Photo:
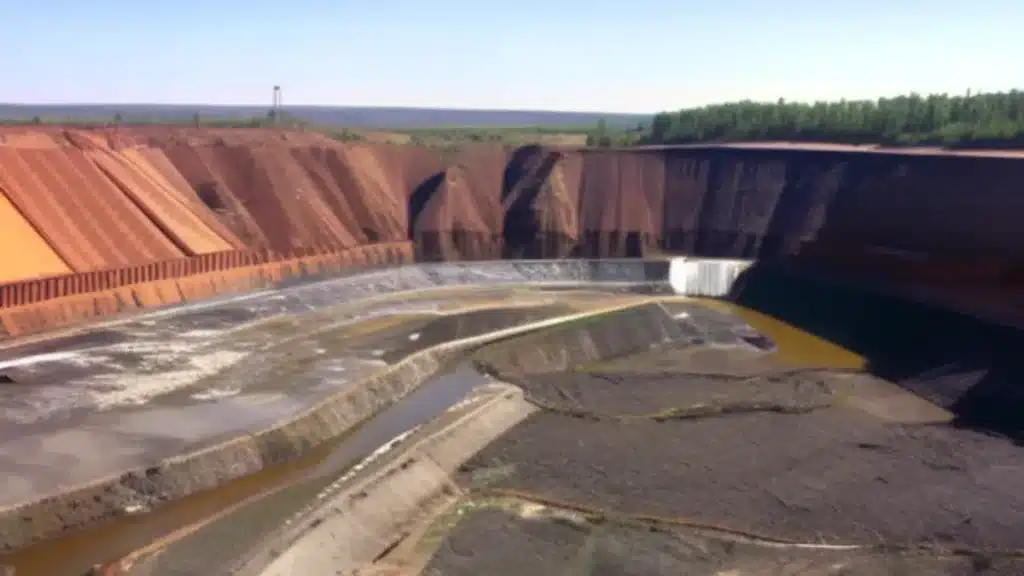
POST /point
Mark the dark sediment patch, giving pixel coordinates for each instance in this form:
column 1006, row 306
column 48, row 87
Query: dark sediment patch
column 493, row 541
column 961, row 363
column 674, row 395
column 835, row 475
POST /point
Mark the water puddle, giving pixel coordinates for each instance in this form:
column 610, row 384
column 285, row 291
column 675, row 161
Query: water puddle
column 792, row 345
column 724, row 323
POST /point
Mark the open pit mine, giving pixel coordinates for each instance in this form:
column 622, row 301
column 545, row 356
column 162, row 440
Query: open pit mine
column 268, row 353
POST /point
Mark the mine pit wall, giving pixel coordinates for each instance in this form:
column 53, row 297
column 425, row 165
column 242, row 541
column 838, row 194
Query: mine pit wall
column 37, row 306
column 135, row 206
column 942, row 226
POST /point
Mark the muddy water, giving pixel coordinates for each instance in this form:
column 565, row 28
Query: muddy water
column 228, row 541
column 793, row 346
column 76, row 554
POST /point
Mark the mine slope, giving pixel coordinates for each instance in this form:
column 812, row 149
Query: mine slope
column 80, row 201
column 834, row 232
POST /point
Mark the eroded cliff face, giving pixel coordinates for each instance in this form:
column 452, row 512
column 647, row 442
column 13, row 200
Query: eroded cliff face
column 932, row 218
column 89, row 200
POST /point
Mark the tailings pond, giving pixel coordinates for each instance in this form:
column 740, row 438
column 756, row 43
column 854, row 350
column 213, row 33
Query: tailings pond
column 746, row 427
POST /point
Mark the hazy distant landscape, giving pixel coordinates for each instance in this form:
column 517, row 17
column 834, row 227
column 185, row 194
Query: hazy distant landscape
column 341, row 116
column 993, row 120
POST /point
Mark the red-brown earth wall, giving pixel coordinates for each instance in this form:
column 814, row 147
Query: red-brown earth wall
column 141, row 205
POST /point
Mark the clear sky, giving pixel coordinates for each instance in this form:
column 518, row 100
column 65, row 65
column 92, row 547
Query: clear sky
column 601, row 55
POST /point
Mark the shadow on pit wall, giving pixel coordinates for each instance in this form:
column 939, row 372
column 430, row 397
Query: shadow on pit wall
column 972, row 368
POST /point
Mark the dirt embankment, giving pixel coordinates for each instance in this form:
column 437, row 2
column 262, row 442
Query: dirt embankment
column 88, row 200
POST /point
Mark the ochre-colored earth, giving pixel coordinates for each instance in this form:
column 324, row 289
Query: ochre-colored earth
column 87, row 200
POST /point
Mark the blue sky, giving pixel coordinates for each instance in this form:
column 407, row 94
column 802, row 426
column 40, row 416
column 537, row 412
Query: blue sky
column 614, row 56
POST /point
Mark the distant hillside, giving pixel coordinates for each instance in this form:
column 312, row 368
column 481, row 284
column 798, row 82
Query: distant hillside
column 355, row 117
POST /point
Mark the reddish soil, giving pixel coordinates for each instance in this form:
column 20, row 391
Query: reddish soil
column 457, row 212
column 128, row 196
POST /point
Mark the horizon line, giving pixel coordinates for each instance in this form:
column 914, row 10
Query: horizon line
column 336, row 106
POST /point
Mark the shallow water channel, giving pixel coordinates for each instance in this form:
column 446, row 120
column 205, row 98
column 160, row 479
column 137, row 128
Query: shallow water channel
column 76, row 554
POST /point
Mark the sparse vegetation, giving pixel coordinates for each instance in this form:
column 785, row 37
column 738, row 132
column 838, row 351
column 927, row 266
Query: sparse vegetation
column 457, row 136
column 445, row 138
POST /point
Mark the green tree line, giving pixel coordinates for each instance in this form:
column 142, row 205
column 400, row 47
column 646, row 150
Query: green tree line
column 913, row 119
column 939, row 119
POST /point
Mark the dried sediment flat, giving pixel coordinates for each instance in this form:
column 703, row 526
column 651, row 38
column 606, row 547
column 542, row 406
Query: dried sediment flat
column 774, row 468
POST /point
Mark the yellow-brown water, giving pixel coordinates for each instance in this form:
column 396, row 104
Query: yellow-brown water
column 73, row 554
column 794, row 346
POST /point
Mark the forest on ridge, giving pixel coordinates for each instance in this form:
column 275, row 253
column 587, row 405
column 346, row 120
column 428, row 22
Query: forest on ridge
column 939, row 119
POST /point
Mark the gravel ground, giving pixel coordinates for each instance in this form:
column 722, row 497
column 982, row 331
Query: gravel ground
column 834, row 475
column 491, row 541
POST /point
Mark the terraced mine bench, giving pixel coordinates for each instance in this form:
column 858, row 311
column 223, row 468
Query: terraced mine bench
column 349, row 423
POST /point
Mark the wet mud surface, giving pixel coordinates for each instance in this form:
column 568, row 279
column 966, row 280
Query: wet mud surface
column 970, row 367
column 258, row 505
column 717, row 434
column 301, row 360
column 832, row 476
column 224, row 544
column 731, row 424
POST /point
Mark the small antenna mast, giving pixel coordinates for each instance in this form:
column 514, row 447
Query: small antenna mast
column 275, row 105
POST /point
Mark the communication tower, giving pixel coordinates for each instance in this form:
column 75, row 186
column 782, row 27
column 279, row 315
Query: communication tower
column 275, row 106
